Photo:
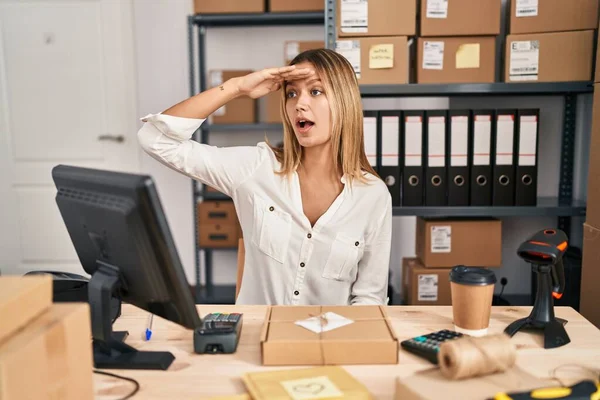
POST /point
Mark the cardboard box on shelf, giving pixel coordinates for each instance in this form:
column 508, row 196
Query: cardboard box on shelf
column 296, row 6
column 445, row 242
column 228, row 6
column 552, row 16
column 217, row 212
column 377, row 60
column 590, row 274
column 219, row 235
column 376, row 18
column 292, row 48
column 238, row 111
column 22, row 298
column 426, row 286
column 319, row 335
column 462, row 59
column 597, row 72
column 51, row 358
column 549, row 57
column 269, row 107
column 456, row 17
column 593, row 180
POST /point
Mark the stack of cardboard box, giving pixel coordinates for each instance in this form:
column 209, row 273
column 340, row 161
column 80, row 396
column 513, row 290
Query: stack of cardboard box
column 45, row 348
column 255, row 6
column 590, row 273
column 550, row 40
column 457, row 43
column 373, row 36
column 442, row 244
column 218, row 224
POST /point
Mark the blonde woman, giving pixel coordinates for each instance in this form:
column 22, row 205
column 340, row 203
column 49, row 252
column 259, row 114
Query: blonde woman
column 315, row 217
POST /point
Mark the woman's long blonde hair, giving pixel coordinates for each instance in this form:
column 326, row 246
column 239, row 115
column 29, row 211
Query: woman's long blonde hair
column 347, row 136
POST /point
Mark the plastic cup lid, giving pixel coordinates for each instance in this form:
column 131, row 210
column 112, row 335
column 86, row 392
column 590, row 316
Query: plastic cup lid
column 472, row 275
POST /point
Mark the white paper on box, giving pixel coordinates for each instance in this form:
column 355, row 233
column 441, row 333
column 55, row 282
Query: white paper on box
column 505, row 133
column 413, row 142
column 524, row 60
column 390, row 140
column 527, row 139
column 427, row 287
column 292, row 49
column 325, row 322
column 482, row 138
column 526, row 8
column 433, row 55
column 216, row 78
column 459, row 141
column 351, row 50
column 441, row 239
column 354, row 16
column 436, row 143
column 220, row 111
column 370, row 132
column 437, row 9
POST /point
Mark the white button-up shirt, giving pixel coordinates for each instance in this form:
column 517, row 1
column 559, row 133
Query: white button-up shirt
column 342, row 259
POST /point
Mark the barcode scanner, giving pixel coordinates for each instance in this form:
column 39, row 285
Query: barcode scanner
column 544, row 251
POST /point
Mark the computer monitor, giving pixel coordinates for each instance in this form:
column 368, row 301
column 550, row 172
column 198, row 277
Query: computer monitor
column 121, row 236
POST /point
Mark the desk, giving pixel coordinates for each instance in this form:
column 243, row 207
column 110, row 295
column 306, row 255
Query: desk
column 195, row 376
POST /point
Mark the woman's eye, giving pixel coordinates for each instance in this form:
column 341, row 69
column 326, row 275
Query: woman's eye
column 315, row 92
column 290, row 94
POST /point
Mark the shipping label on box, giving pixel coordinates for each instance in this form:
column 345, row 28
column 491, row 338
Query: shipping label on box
column 437, row 8
column 354, row 16
column 428, row 287
column 524, row 60
column 526, row 8
column 433, row 55
column 351, row 50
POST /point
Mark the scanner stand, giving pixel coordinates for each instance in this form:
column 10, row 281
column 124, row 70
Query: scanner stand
column 108, row 347
column 542, row 315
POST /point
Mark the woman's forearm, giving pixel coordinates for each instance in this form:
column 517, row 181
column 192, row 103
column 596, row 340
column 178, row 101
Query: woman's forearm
column 205, row 103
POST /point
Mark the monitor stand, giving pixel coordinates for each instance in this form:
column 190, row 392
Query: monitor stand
column 109, row 349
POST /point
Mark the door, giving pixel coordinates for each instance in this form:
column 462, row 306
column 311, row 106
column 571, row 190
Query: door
column 67, row 96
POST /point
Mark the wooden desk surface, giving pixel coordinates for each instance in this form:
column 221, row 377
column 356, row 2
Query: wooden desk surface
column 196, row 376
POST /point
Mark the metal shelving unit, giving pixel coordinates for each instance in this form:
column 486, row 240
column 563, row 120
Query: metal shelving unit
column 197, row 27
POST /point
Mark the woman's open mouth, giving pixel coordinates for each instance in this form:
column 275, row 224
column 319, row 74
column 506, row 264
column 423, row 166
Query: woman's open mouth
column 304, row 125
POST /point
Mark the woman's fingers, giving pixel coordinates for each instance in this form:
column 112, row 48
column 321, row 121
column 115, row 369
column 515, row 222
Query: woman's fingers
column 298, row 74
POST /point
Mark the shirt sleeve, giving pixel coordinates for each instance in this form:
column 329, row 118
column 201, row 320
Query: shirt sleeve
column 168, row 139
column 371, row 285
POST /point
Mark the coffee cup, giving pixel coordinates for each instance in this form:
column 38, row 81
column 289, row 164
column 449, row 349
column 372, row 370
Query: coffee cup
column 472, row 291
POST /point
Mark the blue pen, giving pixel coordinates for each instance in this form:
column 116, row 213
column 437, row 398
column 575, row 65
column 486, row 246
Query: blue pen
column 148, row 334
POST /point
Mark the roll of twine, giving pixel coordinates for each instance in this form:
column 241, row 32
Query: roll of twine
column 468, row 357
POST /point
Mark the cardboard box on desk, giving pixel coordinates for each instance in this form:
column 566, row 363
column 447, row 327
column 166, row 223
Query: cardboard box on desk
column 238, row 111
column 553, row 16
column 590, row 274
column 445, row 243
column 549, row 57
column 368, row 339
column 377, row 60
column 22, row 298
column 228, row 6
column 466, row 59
column 456, row 17
column 51, row 358
column 376, row 18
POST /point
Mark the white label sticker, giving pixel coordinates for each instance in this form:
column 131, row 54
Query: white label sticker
column 291, row 50
column 505, row 133
column 220, row 111
column 390, row 140
column 441, row 239
column 370, row 132
column 433, row 55
column 324, row 322
column 527, row 140
column 482, row 139
column 428, row 287
column 351, row 50
column 526, row 8
column 413, row 146
column 459, row 141
column 355, row 16
column 319, row 387
column 437, row 8
column 216, row 78
column 436, row 143
column 524, row 60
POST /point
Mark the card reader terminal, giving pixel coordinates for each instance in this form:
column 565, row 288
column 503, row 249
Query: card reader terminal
column 219, row 333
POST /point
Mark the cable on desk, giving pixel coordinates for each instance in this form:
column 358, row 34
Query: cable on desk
column 136, row 383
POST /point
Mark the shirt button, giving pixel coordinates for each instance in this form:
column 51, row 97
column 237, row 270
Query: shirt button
column 309, row 236
column 302, row 264
column 296, row 293
column 271, row 208
column 356, row 243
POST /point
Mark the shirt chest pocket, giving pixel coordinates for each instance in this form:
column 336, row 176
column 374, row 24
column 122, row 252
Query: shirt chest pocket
column 272, row 229
column 343, row 258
